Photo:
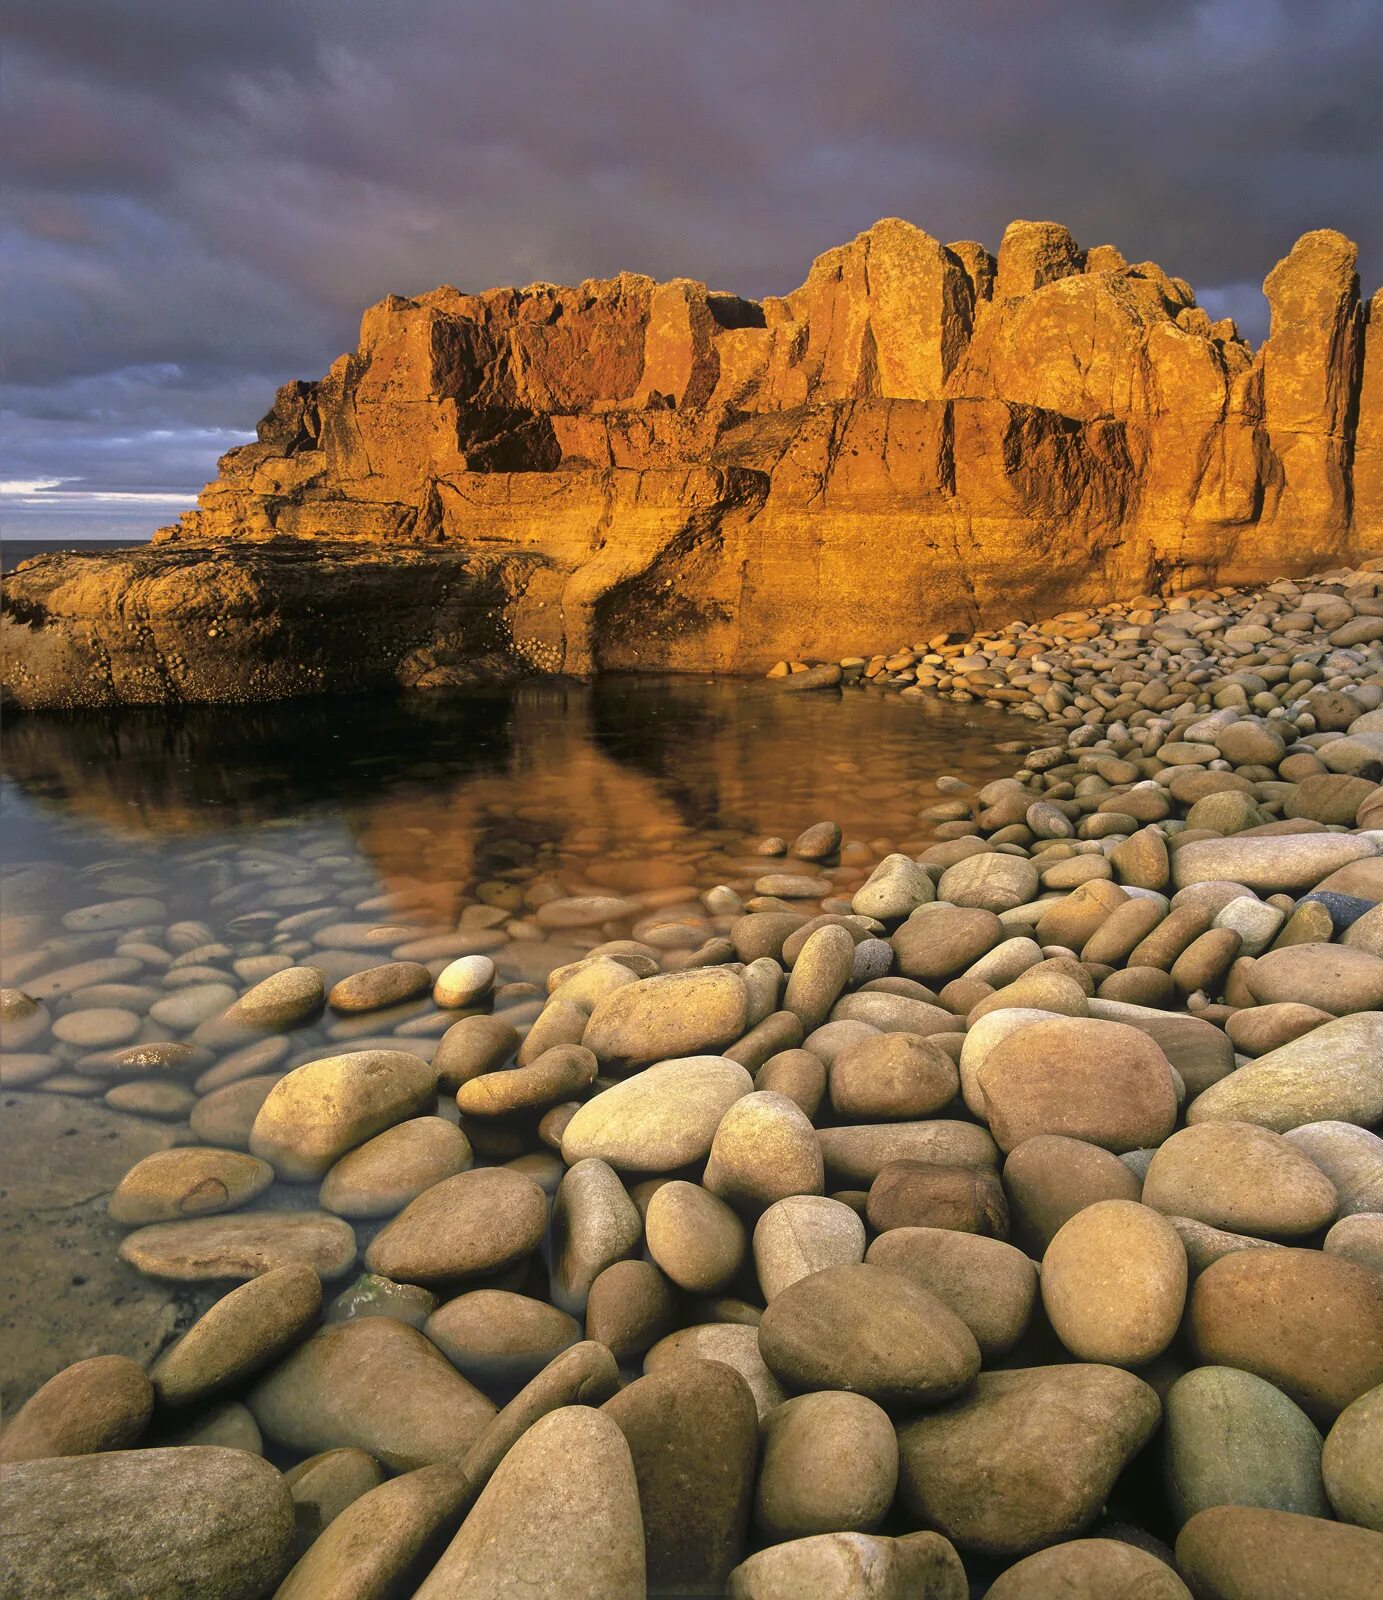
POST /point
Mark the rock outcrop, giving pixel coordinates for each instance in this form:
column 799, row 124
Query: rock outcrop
column 629, row 474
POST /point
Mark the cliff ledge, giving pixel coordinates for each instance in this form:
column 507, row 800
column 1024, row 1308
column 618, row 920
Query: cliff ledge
column 630, row 474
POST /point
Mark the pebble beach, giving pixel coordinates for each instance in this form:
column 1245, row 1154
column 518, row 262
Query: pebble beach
column 990, row 1205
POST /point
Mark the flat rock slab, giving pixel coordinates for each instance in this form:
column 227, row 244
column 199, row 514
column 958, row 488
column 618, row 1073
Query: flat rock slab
column 241, row 1245
column 65, row 1295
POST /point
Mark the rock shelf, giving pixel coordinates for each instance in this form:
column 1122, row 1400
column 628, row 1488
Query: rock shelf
column 1001, row 1216
column 637, row 476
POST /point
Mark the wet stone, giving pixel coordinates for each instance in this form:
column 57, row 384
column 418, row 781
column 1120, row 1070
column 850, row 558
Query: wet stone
column 868, row 1330
column 242, row 1332
column 207, row 1521
column 241, row 1246
column 380, row 1177
column 316, row 1113
column 186, row 1182
column 100, row 1404
column 373, row 1384
column 470, row 1224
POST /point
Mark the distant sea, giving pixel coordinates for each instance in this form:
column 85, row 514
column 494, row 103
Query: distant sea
column 13, row 551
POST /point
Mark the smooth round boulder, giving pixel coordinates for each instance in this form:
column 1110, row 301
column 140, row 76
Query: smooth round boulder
column 1332, row 1074
column 693, row 1436
column 242, row 1245
column 764, row 1149
column 1291, row 864
column 895, row 888
column 560, row 1022
column 498, row 1338
column 1049, row 1178
column 377, row 987
column 868, row 1330
column 818, row 842
column 694, row 1237
column 103, row 1403
column 594, row 1224
column 819, row 975
column 1358, row 1238
column 1306, row 1320
column 802, row 1234
column 931, row 1194
column 319, row 1111
column 1089, row 1569
column 204, row 1521
column 472, row 1046
column 939, row 944
column 660, row 1119
column 464, row 982
column 830, row 1465
column 374, row 1384
column 96, row 1027
column 1231, row 1438
column 284, row 1000
column 169, row 1102
column 226, row 1115
column 1240, row 1177
column 1332, row 977
column 1244, row 1553
column 194, row 1005
column 243, row 1332
column 560, row 1073
column 471, row 1224
column 1256, row 1030
column 989, row 883
column 888, row 1011
column 1114, row 1283
column 1104, row 1082
column 1027, row 1457
column 1352, row 1462
column 380, row 1177
column 674, row 1016
column 630, row 1307
column 891, row 1076
column 188, row 1181
column 1071, row 921
column 1350, row 1157
column 562, row 1509
column 990, row 1285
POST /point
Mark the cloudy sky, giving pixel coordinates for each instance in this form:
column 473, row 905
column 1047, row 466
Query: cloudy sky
column 200, row 197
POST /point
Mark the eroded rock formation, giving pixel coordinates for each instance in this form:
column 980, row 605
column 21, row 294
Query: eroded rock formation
column 633, row 474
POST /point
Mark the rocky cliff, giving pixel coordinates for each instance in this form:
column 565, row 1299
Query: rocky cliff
column 633, row 474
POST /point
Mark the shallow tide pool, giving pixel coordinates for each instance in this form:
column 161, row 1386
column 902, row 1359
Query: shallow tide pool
column 252, row 829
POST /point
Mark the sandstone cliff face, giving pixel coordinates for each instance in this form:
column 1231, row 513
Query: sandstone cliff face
column 633, row 474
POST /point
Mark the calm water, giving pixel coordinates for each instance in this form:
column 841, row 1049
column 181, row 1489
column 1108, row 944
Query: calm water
column 446, row 791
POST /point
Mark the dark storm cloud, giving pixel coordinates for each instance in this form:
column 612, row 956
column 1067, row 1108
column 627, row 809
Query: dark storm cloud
column 201, row 198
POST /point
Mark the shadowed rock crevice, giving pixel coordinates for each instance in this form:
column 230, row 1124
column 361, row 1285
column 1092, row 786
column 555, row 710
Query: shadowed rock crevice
column 627, row 473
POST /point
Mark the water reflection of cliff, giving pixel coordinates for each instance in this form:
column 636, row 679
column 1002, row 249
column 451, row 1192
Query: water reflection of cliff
column 439, row 787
